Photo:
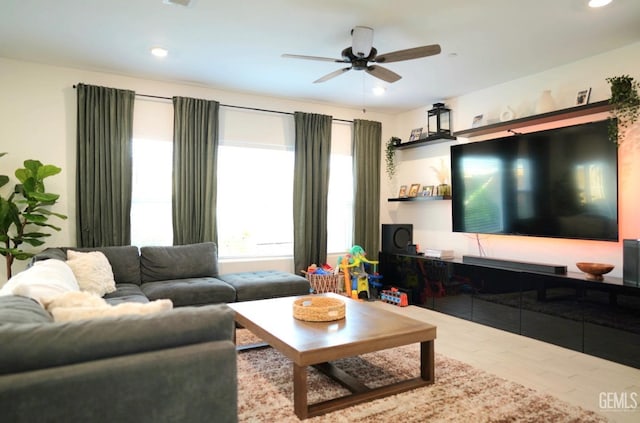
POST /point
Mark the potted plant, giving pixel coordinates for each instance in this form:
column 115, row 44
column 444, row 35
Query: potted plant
column 626, row 105
column 26, row 209
column 390, row 156
column 442, row 173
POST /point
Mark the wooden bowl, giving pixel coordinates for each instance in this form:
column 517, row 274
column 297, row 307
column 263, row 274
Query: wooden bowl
column 595, row 271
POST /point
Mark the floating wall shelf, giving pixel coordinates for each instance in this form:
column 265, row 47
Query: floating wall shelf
column 571, row 112
column 434, row 139
column 421, row 198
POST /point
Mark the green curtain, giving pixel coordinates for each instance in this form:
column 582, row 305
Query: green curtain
column 103, row 181
column 367, row 141
column 195, row 149
column 310, row 188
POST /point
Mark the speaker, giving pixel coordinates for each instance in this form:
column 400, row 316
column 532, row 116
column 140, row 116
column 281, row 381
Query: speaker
column 631, row 262
column 396, row 237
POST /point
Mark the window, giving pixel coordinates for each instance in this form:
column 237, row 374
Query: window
column 340, row 209
column 151, row 222
column 255, row 184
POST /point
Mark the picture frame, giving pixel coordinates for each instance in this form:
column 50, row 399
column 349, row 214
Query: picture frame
column 413, row 191
column 403, row 191
column 582, row 96
column 427, row 190
column 477, row 121
column 415, row 134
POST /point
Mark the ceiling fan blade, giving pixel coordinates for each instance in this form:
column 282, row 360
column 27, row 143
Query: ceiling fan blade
column 323, row 59
column 332, row 75
column 408, row 54
column 382, row 73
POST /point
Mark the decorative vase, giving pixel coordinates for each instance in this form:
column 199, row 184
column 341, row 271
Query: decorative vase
column 545, row 103
column 444, row 189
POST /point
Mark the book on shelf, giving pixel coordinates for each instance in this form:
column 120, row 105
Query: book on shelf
column 441, row 254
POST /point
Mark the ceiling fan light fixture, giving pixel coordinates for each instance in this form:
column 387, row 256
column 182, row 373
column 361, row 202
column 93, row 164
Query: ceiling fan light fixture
column 598, row 3
column 362, row 41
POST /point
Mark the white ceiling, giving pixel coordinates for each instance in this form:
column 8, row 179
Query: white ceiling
column 237, row 44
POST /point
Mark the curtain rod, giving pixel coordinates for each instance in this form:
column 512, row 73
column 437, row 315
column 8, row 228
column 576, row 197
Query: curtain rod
column 235, row 107
column 241, row 107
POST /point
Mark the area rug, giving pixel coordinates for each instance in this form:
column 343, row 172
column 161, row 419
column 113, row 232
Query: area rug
column 461, row 393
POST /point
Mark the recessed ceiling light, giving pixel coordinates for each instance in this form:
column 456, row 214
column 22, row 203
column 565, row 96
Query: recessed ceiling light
column 379, row 90
column 598, row 3
column 159, row 52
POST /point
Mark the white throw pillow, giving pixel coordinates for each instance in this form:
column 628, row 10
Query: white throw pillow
column 92, row 270
column 83, row 305
column 43, row 281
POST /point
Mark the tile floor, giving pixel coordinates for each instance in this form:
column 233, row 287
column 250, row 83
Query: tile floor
column 574, row 377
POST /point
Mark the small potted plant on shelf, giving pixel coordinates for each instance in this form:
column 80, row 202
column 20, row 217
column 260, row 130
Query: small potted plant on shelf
column 390, row 156
column 626, row 105
column 442, row 172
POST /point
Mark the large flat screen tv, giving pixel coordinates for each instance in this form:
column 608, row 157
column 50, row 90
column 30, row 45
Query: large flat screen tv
column 560, row 183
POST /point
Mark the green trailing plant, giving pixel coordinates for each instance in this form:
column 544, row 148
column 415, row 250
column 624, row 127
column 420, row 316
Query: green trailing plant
column 625, row 102
column 25, row 211
column 390, row 156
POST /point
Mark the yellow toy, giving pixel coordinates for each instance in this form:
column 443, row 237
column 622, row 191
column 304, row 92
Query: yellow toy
column 356, row 279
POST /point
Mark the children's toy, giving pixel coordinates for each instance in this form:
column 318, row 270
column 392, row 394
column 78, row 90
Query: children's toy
column 356, row 279
column 393, row 296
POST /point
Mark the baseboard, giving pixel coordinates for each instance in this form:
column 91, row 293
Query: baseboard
column 554, row 269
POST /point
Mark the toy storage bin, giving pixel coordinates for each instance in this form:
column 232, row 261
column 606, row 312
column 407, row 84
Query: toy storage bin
column 326, row 283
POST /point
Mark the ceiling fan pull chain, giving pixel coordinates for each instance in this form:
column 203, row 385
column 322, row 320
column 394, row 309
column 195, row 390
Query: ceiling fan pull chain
column 364, row 110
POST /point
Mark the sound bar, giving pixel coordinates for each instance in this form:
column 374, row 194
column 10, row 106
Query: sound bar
column 554, row 269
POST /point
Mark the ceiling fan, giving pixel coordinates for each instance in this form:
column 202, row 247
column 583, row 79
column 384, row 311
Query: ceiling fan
column 361, row 53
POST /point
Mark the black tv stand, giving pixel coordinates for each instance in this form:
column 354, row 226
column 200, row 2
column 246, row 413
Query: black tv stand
column 566, row 309
column 554, row 269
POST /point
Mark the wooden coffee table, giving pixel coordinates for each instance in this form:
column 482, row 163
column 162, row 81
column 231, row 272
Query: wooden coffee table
column 364, row 329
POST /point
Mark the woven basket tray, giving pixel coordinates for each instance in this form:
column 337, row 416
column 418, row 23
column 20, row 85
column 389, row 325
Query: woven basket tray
column 318, row 309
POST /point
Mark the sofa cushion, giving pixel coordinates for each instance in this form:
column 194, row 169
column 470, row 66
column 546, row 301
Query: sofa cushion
column 17, row 309
column 51, row 253
column 180, row 261
column 42, row 281
column 92, row 270
column 266, row 284
column 190, row 291
column 126, row 292
column 124, row 260
column 40, row 346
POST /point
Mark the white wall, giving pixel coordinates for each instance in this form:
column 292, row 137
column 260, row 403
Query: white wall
column 38, row 121
column 432, row 221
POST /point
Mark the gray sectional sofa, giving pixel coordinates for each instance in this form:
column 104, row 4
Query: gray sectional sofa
column 187, row 275
column 175, row 366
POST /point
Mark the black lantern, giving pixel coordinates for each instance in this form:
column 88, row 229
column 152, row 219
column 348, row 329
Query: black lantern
column 439, row 120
